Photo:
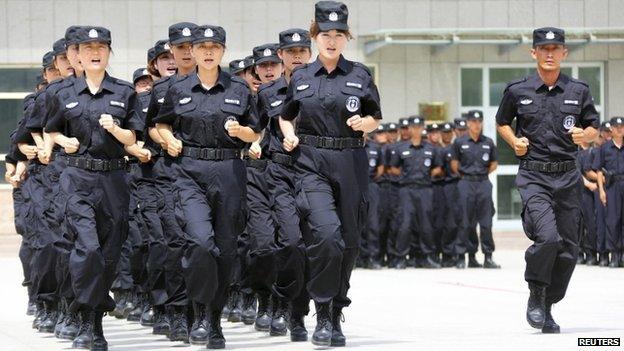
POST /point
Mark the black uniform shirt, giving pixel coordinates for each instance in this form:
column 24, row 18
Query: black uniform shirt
column 270, row 99
column 546, row 116
column 79, row 112
column 22, row 133
column 474, row 156
column 447, row 156
column 373, row 150
column 323, row 102
column 610, row 158
column 198, row 116
column 416, row 162
column 585, row 160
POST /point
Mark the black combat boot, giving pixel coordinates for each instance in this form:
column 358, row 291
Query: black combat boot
column 591, row 259
column 139, row 302
column 550, row 326
column 121, row 299
column 337, row 338
column 39, row 316
column 615, row 260
column 179, row 325
column 279, row 322
column 71, row 326
column 461, row 261
column 48, row 324
column 199, row 329
column 430, row 262
column 472, row 261
column 298, row 331
column 147, row 316
column 263, row 319
column 236, row 308
column 489, row 262
column 248, row 314
column 215, row 335
column 536, row 306
column 604, row 259
column 323, row 331
column 161, row 321
column 85, row 333
column 98, row 343
column 62, row 316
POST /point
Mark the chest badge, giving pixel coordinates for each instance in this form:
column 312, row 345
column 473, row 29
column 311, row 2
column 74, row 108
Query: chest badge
column 526, row 101
column 353, row 103
column 145, row 110
column 427, row 162
column 302, row 87
column 232, row 102
column 276, row 103
column 372, row 162
column 71, row 105
column 185, row 101
column 117, row 103
column 485, row 157
column 161, row 100
column 569, row 122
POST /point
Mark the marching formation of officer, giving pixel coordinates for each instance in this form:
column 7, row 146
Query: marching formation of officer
column 197, row 195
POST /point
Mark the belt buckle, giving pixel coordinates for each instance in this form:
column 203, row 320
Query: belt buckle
column 326, row 142
column 218, row 154
column 98, row 165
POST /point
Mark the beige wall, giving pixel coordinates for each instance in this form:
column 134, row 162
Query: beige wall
column 407, row 74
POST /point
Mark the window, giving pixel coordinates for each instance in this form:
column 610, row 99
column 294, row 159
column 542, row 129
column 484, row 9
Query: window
column 591, row 76
column 509, row 201
column 472, row 87
column 15, row 83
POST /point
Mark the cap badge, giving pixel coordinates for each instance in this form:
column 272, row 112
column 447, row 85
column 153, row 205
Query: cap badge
column 145, row 72
column 267, row 52
column 333, row 17
column 550, row 35
column 93, row 33
column 186, row 32
column 296, row 37
column 241, row 64
column 208, row 33
column 167, row 47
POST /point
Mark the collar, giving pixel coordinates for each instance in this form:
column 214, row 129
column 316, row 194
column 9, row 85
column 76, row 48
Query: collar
column 343, row 65
column 222, row 80
column 281, row 84
column 480, row 139
column 80, row 84
column 538, row 84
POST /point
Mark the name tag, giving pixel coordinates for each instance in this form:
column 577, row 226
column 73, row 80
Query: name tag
column 465, row 146
column 161, row 100
column 232, row 101
column 485, row 146
column 373, row 152
column 354, row 85
column 185, row 101
column 117, row 103
column 302, row 87
column 405, row 153
column 71, row 105
column 276, row 103
column 428, row 153
column 571, row 102
column 526, row 102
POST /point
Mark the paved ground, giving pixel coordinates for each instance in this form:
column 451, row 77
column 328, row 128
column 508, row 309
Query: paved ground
column 392, row 310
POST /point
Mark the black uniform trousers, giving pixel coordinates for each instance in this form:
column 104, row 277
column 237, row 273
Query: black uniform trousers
column 290, row 256
column 452, row 212
column 588, row 239
column 369, row 247
column 40, row 186
column 601, row 224
column 614, row 220
column 260, row 262
column 211, row 209
column 551, row 217
column 332, row 202
column 415, row 234
column 477, row 208
column 439, row 215
column 97, row 216
column 25, row 251
column 388, row 218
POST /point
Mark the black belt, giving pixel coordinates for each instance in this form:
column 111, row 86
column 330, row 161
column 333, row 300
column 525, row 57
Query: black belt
column 548, row 167
column 210, row 154
column 617, row 177
column 331, row 142
column 419, row 184
column 258, row 164
column 474, row 177
column 94, row 164
column 282, row 159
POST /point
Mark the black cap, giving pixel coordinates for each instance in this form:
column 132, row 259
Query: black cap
column 617, row 121
column 181, row 33
column 237, row 66
column 59, row 47
column 381, row 128
column 460, row 123
column 161, row 47
column 605, row 126
column 91, row 34
column 210, row 33
column 475, row 114
column 294, row 37
column 433, row 127
column 447, row 127
column 266, row 53
column 548, row 35
column 391, row 127
column 71, row 35
column 331, row 15
column 48, row 59
column 404, row 122
column 151, row 54
column 139, row 73
column 416, row 121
